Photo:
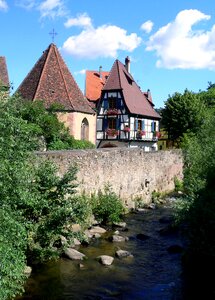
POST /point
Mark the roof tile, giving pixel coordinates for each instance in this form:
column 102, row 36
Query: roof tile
column 136, row 101
column 50, row 80
column 95, row 81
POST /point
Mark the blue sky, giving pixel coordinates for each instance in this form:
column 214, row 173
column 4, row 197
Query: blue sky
column 171, row 44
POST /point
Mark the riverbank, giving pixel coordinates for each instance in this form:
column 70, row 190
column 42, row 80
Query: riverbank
column 152, row 272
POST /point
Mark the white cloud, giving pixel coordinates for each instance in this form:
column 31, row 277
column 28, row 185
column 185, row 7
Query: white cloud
column 178, row 45
column 147, row 26
column 52, row 8
column 104, row 41
column 47, row 8
column 82, row 20
column 3, row 5
column 81, row 72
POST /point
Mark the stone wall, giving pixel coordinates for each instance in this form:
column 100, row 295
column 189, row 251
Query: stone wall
column 132, row 173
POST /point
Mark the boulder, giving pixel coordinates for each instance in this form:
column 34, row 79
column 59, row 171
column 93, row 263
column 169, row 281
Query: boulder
column 74, row 254
column 123, row 253
column 27, row 270
column 118, row 238
column 105, row 260
column 97, row 229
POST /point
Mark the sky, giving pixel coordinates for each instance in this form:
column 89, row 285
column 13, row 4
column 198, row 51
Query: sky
column 171, row 44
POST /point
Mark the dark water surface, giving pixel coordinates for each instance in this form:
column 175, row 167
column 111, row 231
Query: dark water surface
column 152, row 272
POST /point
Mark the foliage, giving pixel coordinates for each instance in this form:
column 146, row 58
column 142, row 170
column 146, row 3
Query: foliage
column 50, row 210
column 199, row 156
column 70, row 144
column 36, row 205
column 178, row 184
column 209, row 96
column 183, row 113
column 106, row 206
column 46, row 124
column 12, row 252
column 199, row 177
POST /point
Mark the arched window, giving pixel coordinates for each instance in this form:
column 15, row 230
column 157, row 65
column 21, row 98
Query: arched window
column 85, row 130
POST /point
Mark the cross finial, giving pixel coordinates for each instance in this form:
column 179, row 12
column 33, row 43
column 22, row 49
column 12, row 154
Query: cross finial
column 53, row 33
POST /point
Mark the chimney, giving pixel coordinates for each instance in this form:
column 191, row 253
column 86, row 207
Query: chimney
column 127, row 64
column 100, row 72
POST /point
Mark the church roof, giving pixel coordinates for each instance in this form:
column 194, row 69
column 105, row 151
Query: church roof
column 95, row 81
column 51, row 81
column 136, row 101
column 4, row 79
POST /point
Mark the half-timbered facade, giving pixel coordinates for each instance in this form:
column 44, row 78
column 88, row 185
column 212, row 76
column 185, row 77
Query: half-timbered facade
column 126, row 116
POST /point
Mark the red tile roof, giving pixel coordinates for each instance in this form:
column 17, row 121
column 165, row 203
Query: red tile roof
column 94, row 83
column 4, row 79
column 50, row 80
column 136, row 101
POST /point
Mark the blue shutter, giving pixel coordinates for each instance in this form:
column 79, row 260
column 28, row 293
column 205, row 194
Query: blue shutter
column 143, row 124
column 105, row 124
column 118, row 104
column 118, row 123
column 105, row 104
column 153, row 126
column 136, row 124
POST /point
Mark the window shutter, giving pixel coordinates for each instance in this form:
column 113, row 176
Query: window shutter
column 136, row 124
column 105, row 124
column 105, row 104
column 143, row 124
column 118, row 123
column 153, row 126
column 119, row 106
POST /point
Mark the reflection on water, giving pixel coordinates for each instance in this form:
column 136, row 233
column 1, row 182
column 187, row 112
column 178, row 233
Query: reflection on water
column 152, row 273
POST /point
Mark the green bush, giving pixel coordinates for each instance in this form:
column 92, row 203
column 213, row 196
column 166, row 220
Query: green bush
column 13, row 243
column 178, row 184
column 107, row 206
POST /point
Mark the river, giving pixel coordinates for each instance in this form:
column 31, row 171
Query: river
column 154, row 272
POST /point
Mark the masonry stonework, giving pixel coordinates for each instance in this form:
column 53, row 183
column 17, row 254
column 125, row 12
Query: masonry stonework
column 132, row 173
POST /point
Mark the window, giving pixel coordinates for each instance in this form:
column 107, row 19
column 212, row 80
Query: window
column 112, row 102
column 85, row 129
column 112, row 123
column 139, row 125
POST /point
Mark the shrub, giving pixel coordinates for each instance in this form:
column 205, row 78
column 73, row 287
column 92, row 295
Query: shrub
column 107, row 206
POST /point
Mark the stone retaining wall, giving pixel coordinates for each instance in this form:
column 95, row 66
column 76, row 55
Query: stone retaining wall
column 132, row 173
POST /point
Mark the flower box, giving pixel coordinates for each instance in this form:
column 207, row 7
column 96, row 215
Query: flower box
column 126, row 129
column 112, row 132
column 112, row 111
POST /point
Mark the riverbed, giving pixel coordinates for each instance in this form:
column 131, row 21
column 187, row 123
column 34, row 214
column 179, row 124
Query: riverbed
column 152, row 272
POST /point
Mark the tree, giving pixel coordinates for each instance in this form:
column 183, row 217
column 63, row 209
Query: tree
column 36, row 205
column 46, row 124
column 199, row 178
column 183, row 113
column 209, row 96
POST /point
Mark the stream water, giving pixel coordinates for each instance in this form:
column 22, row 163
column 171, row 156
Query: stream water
column 152, row 273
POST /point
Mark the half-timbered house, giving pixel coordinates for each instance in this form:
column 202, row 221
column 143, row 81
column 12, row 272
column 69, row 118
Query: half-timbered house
column 126, row 115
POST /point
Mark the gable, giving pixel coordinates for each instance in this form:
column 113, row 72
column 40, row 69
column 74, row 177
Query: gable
column 135, row 100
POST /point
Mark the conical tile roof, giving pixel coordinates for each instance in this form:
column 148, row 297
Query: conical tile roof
column 51, row 81
column 136, row 101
